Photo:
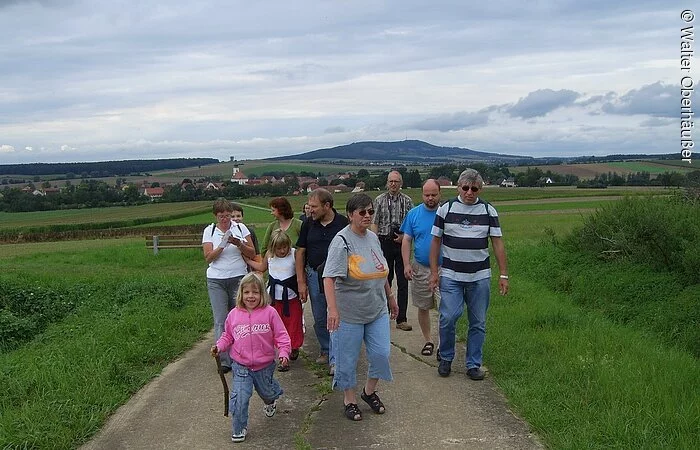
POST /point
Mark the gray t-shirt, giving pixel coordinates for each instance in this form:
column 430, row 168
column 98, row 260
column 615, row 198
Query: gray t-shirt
column 360, row 272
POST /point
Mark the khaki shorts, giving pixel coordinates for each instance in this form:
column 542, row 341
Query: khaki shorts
column 423, row 297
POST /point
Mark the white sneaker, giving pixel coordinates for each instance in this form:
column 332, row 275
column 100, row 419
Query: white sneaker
column 270, row 409
column 239, row 437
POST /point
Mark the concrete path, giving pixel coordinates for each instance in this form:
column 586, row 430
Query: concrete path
column 183, row 407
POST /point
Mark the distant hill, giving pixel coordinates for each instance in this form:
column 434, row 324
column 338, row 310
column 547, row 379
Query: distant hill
column 403, row 151
column 415, row 151
column 104, row 168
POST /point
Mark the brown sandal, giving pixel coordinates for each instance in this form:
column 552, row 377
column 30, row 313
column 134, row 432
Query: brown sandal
column 352, row 412
column 428, row 349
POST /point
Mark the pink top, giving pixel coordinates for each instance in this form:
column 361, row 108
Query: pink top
column 251, row 337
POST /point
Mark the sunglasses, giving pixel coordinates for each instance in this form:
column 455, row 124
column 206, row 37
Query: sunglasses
column 363, row 212
column 470, row 188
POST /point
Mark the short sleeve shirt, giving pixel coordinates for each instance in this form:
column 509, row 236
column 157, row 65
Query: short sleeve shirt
column 418, row 224
column 360, row 272
column 230, row 263
column 315, row 238
column 390, row 210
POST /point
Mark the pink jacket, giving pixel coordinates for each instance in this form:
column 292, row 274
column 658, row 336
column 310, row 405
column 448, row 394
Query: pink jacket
column 251, row 338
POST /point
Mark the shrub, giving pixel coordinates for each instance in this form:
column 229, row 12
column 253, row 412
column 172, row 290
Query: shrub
column 663, row 233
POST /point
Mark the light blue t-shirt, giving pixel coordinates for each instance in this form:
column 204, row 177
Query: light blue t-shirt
column 418, row 224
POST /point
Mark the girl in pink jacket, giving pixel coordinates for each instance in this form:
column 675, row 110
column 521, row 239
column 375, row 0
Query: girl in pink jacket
column 252, row 332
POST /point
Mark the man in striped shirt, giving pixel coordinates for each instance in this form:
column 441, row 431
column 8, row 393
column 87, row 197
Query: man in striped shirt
column 460, row 233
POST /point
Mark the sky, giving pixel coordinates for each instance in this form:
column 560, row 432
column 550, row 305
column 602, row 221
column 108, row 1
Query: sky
column 124, row 79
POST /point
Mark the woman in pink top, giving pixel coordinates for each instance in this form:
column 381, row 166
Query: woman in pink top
column 254, row 336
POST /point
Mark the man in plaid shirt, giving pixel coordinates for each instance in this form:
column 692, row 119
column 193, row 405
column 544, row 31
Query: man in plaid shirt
column 391, row 208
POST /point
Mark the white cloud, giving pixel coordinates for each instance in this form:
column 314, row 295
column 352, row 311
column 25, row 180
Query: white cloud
column 100, row 80
column 4, row 148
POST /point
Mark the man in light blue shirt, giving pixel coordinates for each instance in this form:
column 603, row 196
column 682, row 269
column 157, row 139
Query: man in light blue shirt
column 416, row 228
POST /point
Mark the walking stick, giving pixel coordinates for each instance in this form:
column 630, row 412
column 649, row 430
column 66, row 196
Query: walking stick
column 223, row 381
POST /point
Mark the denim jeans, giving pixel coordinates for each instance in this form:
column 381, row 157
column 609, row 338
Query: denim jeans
column 377, row 338
column 244, row 380
column 453, row 296
column 319, row 308
column 222, row 296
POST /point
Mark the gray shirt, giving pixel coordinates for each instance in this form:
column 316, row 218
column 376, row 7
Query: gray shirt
column 360, row 272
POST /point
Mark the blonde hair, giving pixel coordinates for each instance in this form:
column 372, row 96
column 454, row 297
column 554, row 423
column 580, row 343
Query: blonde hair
column 252, row 278
column 278, row 239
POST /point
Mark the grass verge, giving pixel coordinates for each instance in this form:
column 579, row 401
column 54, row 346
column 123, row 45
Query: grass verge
column 582, row 381
column 133, row 319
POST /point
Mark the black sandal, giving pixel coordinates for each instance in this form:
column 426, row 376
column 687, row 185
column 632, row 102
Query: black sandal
column 373, row 402
column 428, row 349
column 352, row 412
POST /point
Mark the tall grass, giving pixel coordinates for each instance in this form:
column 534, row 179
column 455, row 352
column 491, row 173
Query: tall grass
column 582, row 381
column 133, row 319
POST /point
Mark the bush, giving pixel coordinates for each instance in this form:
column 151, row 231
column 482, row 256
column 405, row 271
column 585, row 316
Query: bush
column 663, row 233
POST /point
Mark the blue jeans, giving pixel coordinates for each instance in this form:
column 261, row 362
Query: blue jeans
column 377, row 338
column 453, row 296
column 222, row 296
column 244, row 380
column 319, row 308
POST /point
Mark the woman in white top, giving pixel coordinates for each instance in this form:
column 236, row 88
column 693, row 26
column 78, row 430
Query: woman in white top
column 283, row 287
column 224, row 243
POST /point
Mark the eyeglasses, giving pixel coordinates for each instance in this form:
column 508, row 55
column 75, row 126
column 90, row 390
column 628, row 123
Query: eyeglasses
column 223, row 216
column 363, row 212
column 470, row 188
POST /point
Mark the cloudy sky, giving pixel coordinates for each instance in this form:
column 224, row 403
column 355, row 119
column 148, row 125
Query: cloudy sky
column 99, row 80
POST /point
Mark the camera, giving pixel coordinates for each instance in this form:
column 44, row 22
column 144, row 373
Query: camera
column 396, row 230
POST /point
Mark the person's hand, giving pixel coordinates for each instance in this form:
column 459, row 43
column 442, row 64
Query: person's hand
column 398, row 238
column 303, row 292
column 503, row 286
column 433, row 281
column 225, row 239
column 284, row 362
column 393, row 307
column 333, row 320
column 214, row 351
column 408, row 272
column 234, row 241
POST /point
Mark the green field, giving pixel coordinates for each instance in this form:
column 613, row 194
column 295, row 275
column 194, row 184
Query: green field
column 99, row 215
column 652, row 167
column 578, row 377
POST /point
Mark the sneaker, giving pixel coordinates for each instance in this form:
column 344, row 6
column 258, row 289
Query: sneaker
column 404, row 326
column 331, row 370
column 294, row 355
column 476, row 373
column 437, row 355
column 444, row 368
column 322, row 359
column 270, row 409
column 239, row 437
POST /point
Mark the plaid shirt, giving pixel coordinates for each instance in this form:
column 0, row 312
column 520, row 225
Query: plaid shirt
column 390, row 210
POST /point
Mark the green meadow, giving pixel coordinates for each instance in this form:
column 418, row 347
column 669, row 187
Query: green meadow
column 592, row 352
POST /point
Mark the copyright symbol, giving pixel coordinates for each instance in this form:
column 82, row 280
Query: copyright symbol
column 687, row 16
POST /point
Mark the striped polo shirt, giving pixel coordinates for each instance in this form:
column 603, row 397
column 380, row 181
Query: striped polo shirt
column 464, row 230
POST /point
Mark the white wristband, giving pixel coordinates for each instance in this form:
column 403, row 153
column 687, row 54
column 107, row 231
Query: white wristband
column 503, row 277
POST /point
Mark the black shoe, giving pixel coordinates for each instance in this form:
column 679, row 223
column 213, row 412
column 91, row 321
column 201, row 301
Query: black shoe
column 475, row 373
column 294, row 354
column 437, row 356
column 445, row 368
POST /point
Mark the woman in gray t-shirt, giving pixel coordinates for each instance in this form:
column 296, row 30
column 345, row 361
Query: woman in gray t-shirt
column 356, row 287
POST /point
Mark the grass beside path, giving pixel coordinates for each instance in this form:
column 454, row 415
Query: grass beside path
column 135, row 314
column 583, row 381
